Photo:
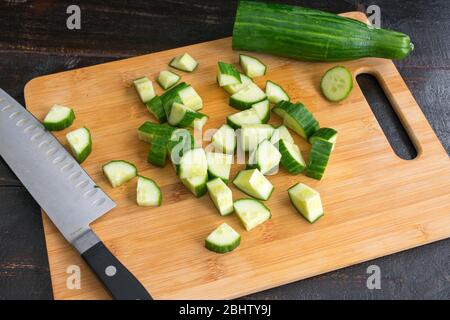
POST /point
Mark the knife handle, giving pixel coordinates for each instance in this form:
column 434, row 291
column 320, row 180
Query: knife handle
column 121, row 283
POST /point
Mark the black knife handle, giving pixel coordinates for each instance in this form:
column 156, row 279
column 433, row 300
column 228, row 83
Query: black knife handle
column 121, row 283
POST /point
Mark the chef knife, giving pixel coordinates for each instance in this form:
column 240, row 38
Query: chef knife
column 65, row 192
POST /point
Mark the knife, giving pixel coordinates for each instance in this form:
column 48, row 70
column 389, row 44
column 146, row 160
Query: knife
column 66, row 193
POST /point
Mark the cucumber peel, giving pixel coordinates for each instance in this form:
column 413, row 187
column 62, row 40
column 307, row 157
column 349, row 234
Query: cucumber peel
column 58, row 118
column 223, row 239
column 80, row 143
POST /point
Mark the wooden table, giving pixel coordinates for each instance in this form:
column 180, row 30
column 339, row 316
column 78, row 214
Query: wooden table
column 35, row 41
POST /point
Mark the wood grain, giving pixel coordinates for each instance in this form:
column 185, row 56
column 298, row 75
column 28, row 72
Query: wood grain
column 375, row 203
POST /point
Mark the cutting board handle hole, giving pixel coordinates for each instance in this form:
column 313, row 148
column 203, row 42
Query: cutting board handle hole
column 386, row 116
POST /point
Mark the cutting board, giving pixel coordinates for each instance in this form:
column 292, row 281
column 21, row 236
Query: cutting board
column 375, row 203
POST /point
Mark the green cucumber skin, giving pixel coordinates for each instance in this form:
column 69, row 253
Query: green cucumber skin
column 157, row 154
column 318, row 159
column 240, row 105
column 149, row 130
column 228, row 69
column 323, row 134
column 297, row 109
column 303, row 33
column 222, row 249
column 61, row 125
column 189, row 118
column 288, row 163
column 212, row 176
column 171, row 96
column 155, row 107
column 86, row 151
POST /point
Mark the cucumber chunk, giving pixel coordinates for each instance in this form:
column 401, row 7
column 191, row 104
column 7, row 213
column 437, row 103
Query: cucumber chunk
column 144, row 88
column 197, row 185
column 291, row 157
column 281, row 132
column 253, row 67
column 149, row 130
column 182, row 116
column 171, row 96
column 263, row 110
column 253, row 183
column 193, row 163
column 223, row 239
column 224, row 140
column 190, row 98
column 249, row 116
column 247, row 97
column 119, row 172
column 180, row 142
column 184, row 62
column 219, row 165
column 155, row 107
column 227, row 74
column 251, row 212
column 265, row 158
column 253, row 134
column 157, row 154
column 336, row 84
column 58, row 118
column 148, row 193
column 297, row 117
column 221, row 195
column 233, row 88
column 167, row 79
column 80, row 143
column 327, row 134
column 318, row 159
column 275, row 93
column 307, row 201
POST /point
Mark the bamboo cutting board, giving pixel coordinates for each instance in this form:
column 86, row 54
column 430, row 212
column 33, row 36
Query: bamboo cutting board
column 375, row 203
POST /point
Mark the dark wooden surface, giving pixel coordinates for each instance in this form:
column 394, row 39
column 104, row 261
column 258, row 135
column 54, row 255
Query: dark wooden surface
column 34, row 41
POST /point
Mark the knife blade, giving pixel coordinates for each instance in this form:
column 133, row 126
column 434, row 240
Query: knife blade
column 66, row 193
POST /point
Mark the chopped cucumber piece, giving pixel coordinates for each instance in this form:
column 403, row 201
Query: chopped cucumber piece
column 171, row 96
column 227, row 74
column 80, row 143
column 275, row 93
column 58, row 118
column 219, row 165
column 155, row 107
column 327, row 134
column 251, row 212
column 253, row 134
column 291, row 157
column 148, row 193
column 182, row 116
column 336, row 84
column 265, row 158
column 318, row 159
column 247, row 97
column 119, row 172
column 307, row 201
column 144, row 87
column 167, row 79
column 193, row 163
column 281, row 132
column 253, row 67
column 190, row 98
column 221, row 195
column 223, row 239
column 233, row 88
column 297, row 118
column 179, row 143
column 197, row 185
column 253, row 183
column 149, row 130
column 263, row 110
column 158, row 151
column 249, row 116
column 224, row 140
column 184, row 62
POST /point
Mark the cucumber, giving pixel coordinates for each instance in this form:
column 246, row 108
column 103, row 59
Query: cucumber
column 179, row 143
column 233, row 88
column 247, row 97
column 253, row 67
column 144, row 88
column 318, row 159
column 219, row 165
column 221, row 195
column 249, row 116
column 308, row 34
column 149, row 130
column 275, row 93
column 265, row 158
column 263, row 110
column 336, row 84
column 197, row 185
column 253, row 134
column 224, row 140
column 80, row 143
column 193, row 163
column 171, row 96
column 155, row 107
column 182, row 116
column 167, row 79
column 281, row 132
column 253, row 183
column 148, row 193
column 157, row 154
column 227, row 74
column 190, row 98
column 222, row 240
column 184, row 62
column 119, row 172
column 327, row 134
column 307, row 201
column 297, row 117
column 291, row 157
column 58, row 118
column 251, row 212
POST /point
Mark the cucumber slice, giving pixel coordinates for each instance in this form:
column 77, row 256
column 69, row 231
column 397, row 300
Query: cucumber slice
column 155, row 107
column 253, row 134
column 219, row 165
column 224, row 140
column 223, row 239
column 148, row 193
column 171, row 96
column 281, row 132
column 58, row 118
column 144, row 88
column 182, row 116
column 249, row 116
column 193, row 163
column 221, row 195
column 318, row 159
column 247, row 97
column 227, row 74
column 291, row 157
column 233, row 88
column 253, row 183
column 119, row 172
column 275, row 93
column 158, row 151
column 307, row 201
column 80, row 143
column 253, row 67
column 179, row 143
column 251, row 212
column 297, row 118
column 149, row 130
column 327, row 134
column 184, row 62
column 197, row 185
column 190, row 98
column 167, row 79
column 336, row 84
column 263, row 110
column 265, row 158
